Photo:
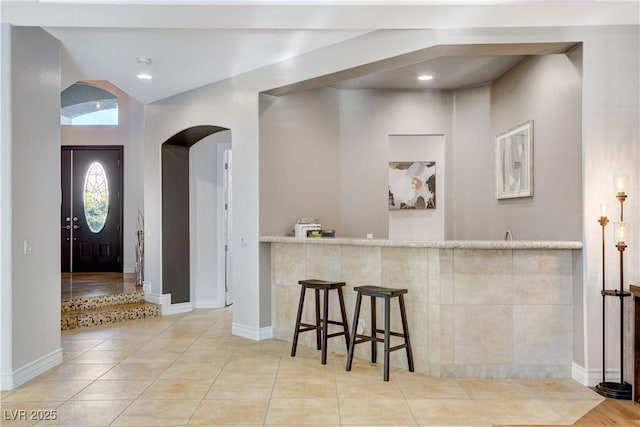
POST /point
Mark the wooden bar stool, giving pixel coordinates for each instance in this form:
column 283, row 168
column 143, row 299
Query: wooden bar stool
column 386, row 293
column 321, row 325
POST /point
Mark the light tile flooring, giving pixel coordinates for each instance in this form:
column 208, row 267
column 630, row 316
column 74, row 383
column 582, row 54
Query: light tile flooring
column 189, row 370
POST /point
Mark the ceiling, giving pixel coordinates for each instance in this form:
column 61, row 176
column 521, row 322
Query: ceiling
column 195, row 43
column 182, row 59
column 448, row 72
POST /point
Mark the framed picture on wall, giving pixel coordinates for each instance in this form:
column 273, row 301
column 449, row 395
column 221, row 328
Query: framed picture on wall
column 412, row 185
column 514, row 162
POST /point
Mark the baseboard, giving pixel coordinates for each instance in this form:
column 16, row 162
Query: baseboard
column 31, row 370
column 183, row 307
column 209, row 304
column 592, row 377
column 129, row 269
column 256, row 334
column 163, row 300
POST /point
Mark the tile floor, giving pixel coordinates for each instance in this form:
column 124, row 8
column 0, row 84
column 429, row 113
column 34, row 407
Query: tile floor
column 189, row 370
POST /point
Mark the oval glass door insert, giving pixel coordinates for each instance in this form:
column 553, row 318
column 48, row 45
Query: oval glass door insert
column 96, row 197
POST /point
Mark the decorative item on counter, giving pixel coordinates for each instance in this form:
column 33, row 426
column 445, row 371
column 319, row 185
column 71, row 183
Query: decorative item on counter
column 328, row 233
column 610, row 389
column 306, row 225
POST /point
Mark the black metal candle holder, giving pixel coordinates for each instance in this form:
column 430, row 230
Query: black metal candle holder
column 614, row 390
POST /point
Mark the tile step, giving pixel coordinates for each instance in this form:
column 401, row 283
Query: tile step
column 91, row 303
column 80, row 318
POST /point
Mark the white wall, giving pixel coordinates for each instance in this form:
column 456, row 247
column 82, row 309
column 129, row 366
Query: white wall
column 130, row 134
column 35, row 206
column 425, row 224
column 206, row 212
column 611, row 142
column 6, row 284
column 235, row 108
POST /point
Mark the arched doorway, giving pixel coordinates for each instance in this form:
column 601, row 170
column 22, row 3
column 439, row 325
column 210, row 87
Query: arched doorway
column 176, row 253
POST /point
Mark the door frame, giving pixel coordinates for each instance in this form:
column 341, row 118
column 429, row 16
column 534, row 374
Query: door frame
column 120, row 191
column 223, row 293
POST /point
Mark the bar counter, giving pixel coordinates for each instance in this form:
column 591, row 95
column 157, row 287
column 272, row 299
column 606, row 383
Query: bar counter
column 487, row 309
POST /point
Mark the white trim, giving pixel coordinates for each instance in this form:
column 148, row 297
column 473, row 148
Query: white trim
column 182, row 307
column 209, row 304
column 31, row 370
column 164, row 300
column 221, row 261
column 129, row 269
column 256, row 334
column 592, row 377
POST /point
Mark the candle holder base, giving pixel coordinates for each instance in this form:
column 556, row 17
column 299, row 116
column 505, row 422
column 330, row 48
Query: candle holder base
column 614, row 390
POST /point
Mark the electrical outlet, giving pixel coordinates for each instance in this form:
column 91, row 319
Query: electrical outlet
column 28, row 247
column 361, row 326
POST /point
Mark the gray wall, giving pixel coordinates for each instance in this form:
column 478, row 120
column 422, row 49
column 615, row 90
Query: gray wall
column 472, row 159
column 299, row 160
column 367, row 118
column 546, row 89
column 35, row 196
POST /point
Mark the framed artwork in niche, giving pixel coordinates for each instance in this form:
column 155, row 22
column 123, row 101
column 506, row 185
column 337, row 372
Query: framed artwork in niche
column 514, row 162
column 412, row 185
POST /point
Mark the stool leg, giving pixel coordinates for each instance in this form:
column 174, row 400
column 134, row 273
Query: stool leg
column 405, row 331
column 318, row 326
column 325, row 325
column 354, row 335
column 343, row 313
column 294, row 346
column 387, row 337
column 374, row 328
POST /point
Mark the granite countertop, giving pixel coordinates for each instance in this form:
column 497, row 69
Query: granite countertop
column 443, row 244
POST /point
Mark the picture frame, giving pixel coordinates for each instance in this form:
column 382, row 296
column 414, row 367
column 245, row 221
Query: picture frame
column 412, row 185
column 514, row 162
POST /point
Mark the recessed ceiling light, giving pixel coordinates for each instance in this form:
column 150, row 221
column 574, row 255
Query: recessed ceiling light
column 144, row 66
column 425, row 77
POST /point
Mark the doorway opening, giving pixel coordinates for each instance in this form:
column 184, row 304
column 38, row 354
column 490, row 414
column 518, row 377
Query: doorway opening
column 91, row 221
column 91, row 209
column 196, row 217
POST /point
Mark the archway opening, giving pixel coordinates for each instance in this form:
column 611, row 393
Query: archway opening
column 176, row 243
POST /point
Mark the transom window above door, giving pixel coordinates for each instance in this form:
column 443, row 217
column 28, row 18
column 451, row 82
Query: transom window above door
column 85, row 104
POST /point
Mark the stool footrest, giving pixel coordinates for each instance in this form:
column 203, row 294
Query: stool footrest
column 308, row 327
column 395, row 334
column 336, row 334
column 398, row 347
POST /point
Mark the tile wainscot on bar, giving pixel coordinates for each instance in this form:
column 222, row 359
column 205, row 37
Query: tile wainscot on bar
column 488, row 309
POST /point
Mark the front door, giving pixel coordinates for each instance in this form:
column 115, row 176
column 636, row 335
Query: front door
column 91, row 213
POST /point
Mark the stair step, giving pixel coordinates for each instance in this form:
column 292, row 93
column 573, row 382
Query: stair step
column 91, row 303
column 80, row 318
